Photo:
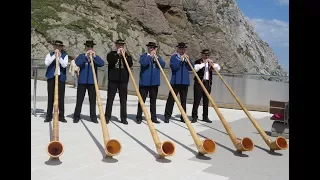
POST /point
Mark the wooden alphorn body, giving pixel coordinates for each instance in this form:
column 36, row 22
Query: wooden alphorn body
column 279, row 144
column 167, row 148
column 112, row 146
column 246, row 143
column 206, row 146
column 55, row 147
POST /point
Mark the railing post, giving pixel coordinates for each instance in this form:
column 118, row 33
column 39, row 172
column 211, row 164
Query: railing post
column 35, row 75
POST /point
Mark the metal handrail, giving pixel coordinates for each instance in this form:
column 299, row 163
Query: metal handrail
column 35, row 75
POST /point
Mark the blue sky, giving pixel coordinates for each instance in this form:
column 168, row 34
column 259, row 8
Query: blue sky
column 271, row 21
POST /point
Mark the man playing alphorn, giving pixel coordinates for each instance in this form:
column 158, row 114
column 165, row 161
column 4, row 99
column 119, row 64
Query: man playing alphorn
column 86, row 81
column 118, row 78
column 50, row 62
column 204, row 70
column 149, row 81
column 180, row 80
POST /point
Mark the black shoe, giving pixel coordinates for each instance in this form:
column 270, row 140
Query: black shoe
column 94, row 120
column 124, row 121
column 62, row 119
column 76, row 119
column 194, row 120
column 166, row 120
column 155, row 121
column 138, row 120
column 207, row 120
column 107, row 119
column 48, row 119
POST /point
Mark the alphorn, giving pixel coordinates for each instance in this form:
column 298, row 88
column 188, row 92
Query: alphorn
column 112, row 146
column 55, row 147
column 246, row 143
column 206, row 146
column 166, row 148
column 279, row 144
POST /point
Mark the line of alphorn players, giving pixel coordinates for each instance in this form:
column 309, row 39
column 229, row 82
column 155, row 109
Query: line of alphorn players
column 118, row 78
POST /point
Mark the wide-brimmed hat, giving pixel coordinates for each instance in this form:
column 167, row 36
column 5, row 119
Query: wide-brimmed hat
column 57, row 43
column 152, row 44
column 89, row 43
column 120, row 41
column 182, row 45
column 205, row 51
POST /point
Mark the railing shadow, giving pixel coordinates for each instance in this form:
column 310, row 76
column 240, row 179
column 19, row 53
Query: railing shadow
column 105, row 158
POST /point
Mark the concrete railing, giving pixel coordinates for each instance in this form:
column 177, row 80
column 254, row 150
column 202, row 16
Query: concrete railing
column 255, row 94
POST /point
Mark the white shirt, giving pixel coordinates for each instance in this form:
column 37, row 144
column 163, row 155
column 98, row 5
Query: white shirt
column 63, row 62
column 197, row 67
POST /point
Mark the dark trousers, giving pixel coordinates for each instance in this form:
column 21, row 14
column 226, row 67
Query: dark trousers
column 81, row 92
column 198, row 93
column 153, row 93
column 61, row 91
column 178, row 88
column 113, row 87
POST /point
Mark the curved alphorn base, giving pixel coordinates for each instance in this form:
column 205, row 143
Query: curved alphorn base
column 245, row 144
column 55, row 149
column 279, row 144
column 113, row 147
column 166, row 148
column 207, row 146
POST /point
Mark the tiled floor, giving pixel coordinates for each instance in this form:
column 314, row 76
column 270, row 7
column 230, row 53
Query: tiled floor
column 83, row 146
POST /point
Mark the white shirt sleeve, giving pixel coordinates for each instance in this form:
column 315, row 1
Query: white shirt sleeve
column 64, row 61
column 197, row 67
column 49, row 59
column 216, row 66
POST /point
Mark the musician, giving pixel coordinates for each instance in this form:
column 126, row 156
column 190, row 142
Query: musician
column 50, row 62
column 204, row 68
column 149, row 80
column 118, row 78
column 179, row 79
column 86, row 82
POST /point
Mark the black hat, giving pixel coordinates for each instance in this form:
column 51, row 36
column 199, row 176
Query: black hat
column 205, row 51
column 120, row 41
column 89, row 43
column 182, row 45
column 58, row 43
column 152, row 44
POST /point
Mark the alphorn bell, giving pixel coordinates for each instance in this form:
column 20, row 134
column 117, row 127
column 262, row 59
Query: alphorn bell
column 206, row 146
column 279, row 144
column 166, row 148
column 55, row 147
column 246, row 143
column 112, row 146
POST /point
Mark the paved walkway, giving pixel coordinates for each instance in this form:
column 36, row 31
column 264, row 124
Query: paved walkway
column 83, row 144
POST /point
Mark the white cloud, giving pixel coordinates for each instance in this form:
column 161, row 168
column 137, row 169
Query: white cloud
column 283, row 2
column 274, row 32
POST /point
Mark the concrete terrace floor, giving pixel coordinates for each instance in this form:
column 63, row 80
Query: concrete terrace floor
column 83, row 146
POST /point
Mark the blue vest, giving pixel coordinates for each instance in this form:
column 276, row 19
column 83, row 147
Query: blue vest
column 150, row 71
column 180, row 70
column 51, row 69
column 86, row 75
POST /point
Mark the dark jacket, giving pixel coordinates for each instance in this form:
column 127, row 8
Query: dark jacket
column 117, row 69
column 86, row 74
column 149, row 70
column 201, row 72
column 180, row 70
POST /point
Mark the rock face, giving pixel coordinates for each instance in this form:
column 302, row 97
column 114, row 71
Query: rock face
column 215, row 24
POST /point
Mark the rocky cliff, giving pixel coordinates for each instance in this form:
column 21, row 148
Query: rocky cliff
column 215, row 24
